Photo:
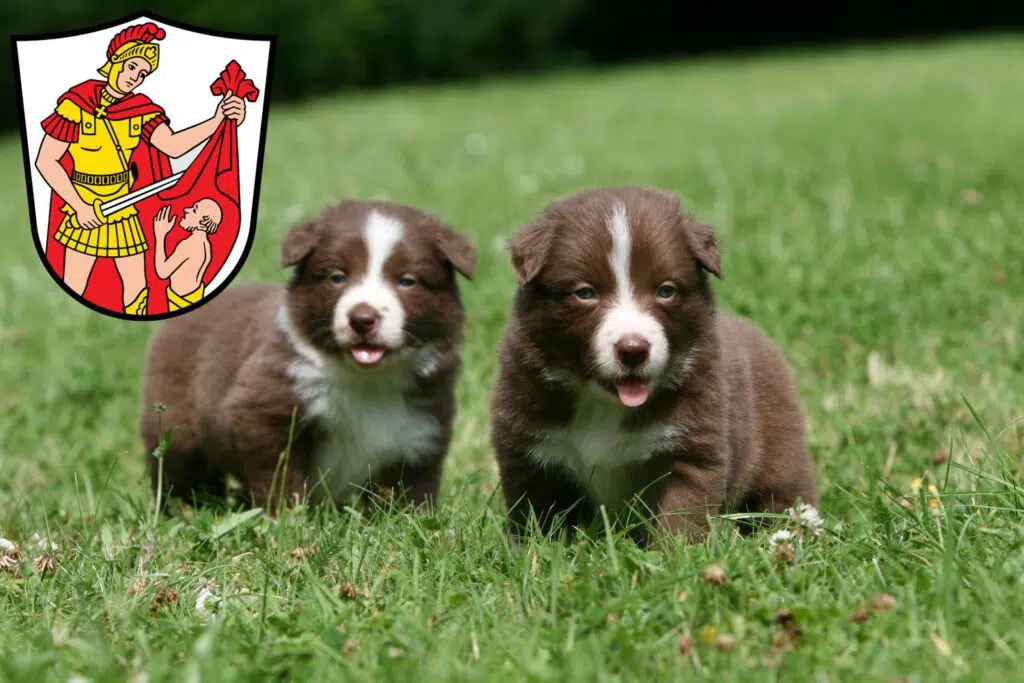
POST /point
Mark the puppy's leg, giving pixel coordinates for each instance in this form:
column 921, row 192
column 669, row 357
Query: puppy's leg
column 270, row 486
column 405, row 484
column 548, row 494
column 274, row 470
column 271, row 445
column 786, row 478
column 785, row 472
column 182, row 470
column 684, row 498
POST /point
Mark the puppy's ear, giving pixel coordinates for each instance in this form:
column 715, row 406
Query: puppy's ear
column 528, row 249
column 457, row 249
column 704, row 244
column 299, row 242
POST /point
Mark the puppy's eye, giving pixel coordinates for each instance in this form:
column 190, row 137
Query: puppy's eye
column 586, row 293
column 406, row 281
column 666, row 291
column 338, row 277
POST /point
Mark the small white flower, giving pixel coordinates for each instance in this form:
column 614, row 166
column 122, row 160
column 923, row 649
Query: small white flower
column 807, row 517
column 7, row 546
column 780, row 536
column 42, row 543
column 206, row 596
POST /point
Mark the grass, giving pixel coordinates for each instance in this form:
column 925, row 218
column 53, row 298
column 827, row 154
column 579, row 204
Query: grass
column 870, row 213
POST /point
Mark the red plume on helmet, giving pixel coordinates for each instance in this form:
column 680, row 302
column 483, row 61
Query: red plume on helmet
column 145, row 33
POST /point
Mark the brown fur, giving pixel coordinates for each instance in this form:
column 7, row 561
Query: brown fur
column 740, row 441
column 222, row 371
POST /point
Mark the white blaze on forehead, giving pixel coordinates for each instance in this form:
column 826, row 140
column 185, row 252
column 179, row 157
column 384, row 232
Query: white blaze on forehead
column 380, row 234
column 625, row 316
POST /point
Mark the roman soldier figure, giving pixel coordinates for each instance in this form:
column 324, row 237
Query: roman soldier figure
column 101, row 139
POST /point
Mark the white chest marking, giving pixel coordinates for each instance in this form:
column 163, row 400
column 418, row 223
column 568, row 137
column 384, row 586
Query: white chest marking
column 597, row 450
column 368, row 423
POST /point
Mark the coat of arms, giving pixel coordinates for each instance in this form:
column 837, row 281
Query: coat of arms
column 143, row 144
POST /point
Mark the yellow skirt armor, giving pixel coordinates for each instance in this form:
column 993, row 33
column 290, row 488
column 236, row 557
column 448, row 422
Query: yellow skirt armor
column 121, row 235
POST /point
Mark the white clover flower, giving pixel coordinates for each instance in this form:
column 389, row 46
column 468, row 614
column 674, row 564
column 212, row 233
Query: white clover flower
column 780, row 536
column 206, row 596
column 7, row 546
column 42, row 543
column 807, row 517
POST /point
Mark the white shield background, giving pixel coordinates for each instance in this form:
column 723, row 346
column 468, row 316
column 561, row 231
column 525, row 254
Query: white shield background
column 189, row 64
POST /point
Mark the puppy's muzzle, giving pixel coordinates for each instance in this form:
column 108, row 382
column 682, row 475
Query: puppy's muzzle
column 364, row 319
column 633, row 351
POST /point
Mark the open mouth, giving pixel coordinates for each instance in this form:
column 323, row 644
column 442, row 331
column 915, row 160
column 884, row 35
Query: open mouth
column 631, row 391
column 368, row 355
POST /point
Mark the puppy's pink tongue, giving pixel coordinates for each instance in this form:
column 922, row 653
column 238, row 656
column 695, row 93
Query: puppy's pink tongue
column 632, row 392
column 367, row 355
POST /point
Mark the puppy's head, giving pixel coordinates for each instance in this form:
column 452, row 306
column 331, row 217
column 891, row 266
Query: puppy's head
column 614, row 289
column 374, row 282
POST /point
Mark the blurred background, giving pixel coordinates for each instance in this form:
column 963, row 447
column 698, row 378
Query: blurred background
column 329, row 45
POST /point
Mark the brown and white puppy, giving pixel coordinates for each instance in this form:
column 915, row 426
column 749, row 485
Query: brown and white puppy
column 620, row 381
column 362, row 345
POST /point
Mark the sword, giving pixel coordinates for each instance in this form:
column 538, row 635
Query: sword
column 107, row 208
column 138, row 195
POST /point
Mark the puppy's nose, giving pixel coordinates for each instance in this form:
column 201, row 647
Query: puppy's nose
column 363, row 318
column 632, row 350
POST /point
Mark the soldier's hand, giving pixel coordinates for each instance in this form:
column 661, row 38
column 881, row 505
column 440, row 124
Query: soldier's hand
column 86, row 216
column 233, row 107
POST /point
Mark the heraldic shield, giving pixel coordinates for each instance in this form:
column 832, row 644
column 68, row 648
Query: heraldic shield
column 143, row 142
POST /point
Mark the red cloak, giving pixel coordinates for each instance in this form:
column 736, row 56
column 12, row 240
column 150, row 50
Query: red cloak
column 214, row 174
column 104, row 288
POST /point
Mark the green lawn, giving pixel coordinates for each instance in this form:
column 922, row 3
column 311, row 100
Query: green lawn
column 870, row 211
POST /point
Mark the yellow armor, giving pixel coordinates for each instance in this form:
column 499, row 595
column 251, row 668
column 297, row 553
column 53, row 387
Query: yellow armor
column 101, row 172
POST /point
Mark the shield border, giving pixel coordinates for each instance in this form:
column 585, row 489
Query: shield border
column 26, row 152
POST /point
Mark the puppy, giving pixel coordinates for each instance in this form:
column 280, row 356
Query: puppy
column 350, row 369
column 620, row 382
